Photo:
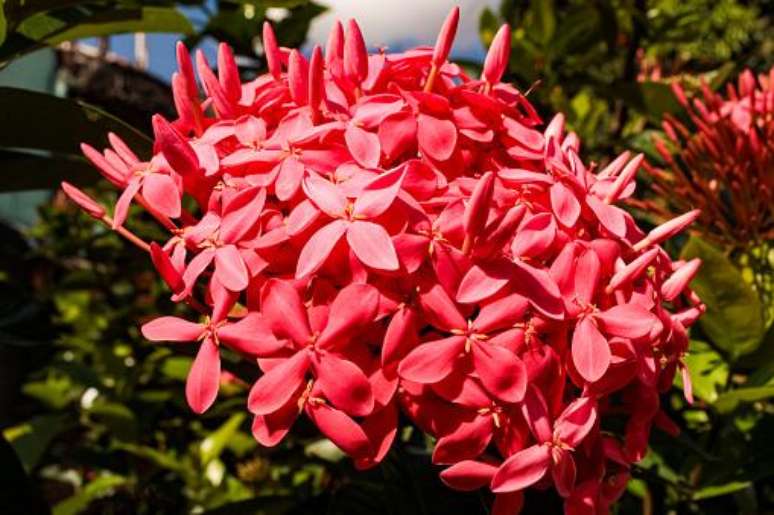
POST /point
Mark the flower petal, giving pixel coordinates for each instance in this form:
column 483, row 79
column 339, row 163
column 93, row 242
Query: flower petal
column 363, row 145
column 251, row 335
column 201, row 386
column 437, row 138
column 468, row 475
column 344, row 432
column 355, row 306
column 230, row 268
column 590, row 350
column 372, row 245
column 523, row 469
column 344, row 384
column 284, row 309
column 319, row 247
column 171, row 329
column 431, row 361
column 273, row 389
column 500, row 371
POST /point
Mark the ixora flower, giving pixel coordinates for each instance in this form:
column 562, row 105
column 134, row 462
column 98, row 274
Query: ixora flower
column 722, row 160
column 380, row 233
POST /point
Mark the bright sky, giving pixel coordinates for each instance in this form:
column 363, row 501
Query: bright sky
column 397, row 24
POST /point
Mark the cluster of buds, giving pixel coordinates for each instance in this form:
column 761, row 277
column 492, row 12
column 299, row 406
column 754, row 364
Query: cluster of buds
column 721, row 162
column 384, row 233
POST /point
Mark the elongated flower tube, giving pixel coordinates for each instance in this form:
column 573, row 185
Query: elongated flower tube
column 382, row 234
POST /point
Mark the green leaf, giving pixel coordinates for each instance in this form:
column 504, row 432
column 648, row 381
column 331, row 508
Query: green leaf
column 734, row 318
column 545, row 20
column 166, row 460
column 708, row 370
column 729, row 401
column 122, row 21
column 37, row 121
column 213, row 445
column 709, row 492
column 32, row 438
column 118, row 418
column 100, row 487
column 54, row 392
column 487, row 26
column 653, row 99
column 3, row 22
column 49, row 171
column 176, row 367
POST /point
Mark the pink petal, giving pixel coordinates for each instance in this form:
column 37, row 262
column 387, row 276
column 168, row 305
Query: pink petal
column 610, row 217
column 482, row 282
column 325, row 195
column 523, row 469
column 565, row 205
column 477, row 209
column 535, row 236
column 319, row 247
column 172, row 329
column 363, row 145
column 535, row 412
column 439, row 310
column 271, row 428
column 467, row 441
column 468, row 475
column 379, row 194
column 354, row 307
column 501, row 313
column 576, row 421
column 437, row 138
column 124, row 201
column 242, row 212
column 401, row 335
column 500, row 371
column 344, row 432
column 283, row 308
column 289, row 178
column 627, row 320
column 587, row 273
column 498, row 55
column 162, row 194
column 397, row 134
column 195, row 267
column 590, row 351
column 344, row 384
column 201, row 387
column 563, row 472
column 251, row 335
column 372, row 245
column 432, row 361
column 273, row 389
column 230, row 268
column 539, row 288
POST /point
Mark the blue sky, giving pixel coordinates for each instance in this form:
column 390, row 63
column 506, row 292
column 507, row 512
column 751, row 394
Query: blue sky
column 397, row 24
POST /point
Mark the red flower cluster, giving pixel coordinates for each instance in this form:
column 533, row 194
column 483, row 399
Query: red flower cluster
column 722, row 161
column 383, row 232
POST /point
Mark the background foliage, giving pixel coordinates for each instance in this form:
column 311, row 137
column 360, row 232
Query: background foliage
column 93, row 417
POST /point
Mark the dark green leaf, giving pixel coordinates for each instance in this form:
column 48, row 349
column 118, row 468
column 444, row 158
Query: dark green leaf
column 734, row 319
column 35, row 171
column 31, row 439
column 95, row 489
column 43, row 122
column 487, row 25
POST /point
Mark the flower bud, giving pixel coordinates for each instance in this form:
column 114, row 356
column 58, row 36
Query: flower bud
column 497, row 58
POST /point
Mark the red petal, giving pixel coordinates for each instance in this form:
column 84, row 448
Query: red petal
column 467, row 441
column 354, row 307
column 468, row 475
column 521, row 470
column 498, row 55
column 477, row 209
column 381, row 428
column 501, row 313
column 325, row 195
column 440, row 310
column 162, row 194
column 563, row 472
column 201, row 387
column 194, row 269
column 500, row 371
column 363, row 145
column 535, row 412
column 437, row 138
column 340, row 428
column 587, row 273
column 397, row 134
column 251, row 335
column 482, row 282
column 372, row 245
column 124, row 201
column 539, row 288
column 432, row 361
column 172, row 329
column 242, row 212
column 319, row 247
column 288, row 180
column 535, row 236
column 271, row 428
column 610, row 217
column 230, row 268
column 401, row 335
column 273, row 389
column 576, row 421
column 565, row 204
column 590, row 351
column 282, row 306
column 379, row 194
column 627, row 321
column 344, row 384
